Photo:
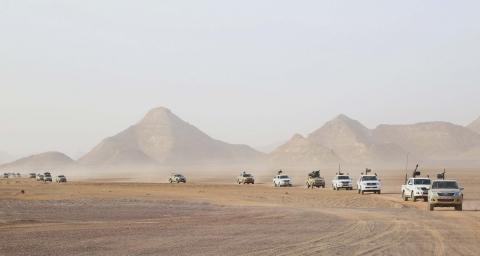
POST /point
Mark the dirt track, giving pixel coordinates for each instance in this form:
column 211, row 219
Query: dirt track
column 214, row 219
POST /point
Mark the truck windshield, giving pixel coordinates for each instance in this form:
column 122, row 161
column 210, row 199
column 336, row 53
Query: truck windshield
column 247, row 175
column 283, row 177
column 422, row 182
column 445, row 185
column 343, row 177
column 367, row 178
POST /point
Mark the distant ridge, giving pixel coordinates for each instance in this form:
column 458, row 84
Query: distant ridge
column 430, row 140
column 386, row 145
column 44, row 161
column 300, row 151
column 163, row 140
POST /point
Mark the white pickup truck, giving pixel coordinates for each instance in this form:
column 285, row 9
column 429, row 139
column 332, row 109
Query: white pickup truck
column 282, row 181
column 416, row 188
column 342, row 181
column 369, row 183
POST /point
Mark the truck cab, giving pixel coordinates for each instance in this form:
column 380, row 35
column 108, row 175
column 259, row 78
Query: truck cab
column 416, row 188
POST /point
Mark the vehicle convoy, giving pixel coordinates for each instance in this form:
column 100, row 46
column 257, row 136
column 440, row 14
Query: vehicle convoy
column 177, row 178
column 415, row 188
column 47, row 177
column 282, row 180
column 314, row 180
column 245, row 178
column 61, row 179
column 369, row 183
column 342, row 181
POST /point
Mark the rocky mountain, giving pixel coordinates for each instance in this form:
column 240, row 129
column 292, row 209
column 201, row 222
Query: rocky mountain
column 475, row 126
column 43, row 161
column 302, row 152
column 349, row 142
column 162, row 138
column 354, row 142
column 432, row 140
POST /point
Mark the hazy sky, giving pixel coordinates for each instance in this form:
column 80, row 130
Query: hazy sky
column 254, row 72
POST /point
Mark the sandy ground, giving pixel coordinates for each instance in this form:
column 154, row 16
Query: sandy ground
column 199, row 218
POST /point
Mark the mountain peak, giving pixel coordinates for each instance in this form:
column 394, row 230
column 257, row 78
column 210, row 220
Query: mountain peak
column 343, row 121
column 302, row 152
column 341, row 133
column 297, row 136
column 343, row 117
column 475, row 125
column 159, row 114
column 159, row 110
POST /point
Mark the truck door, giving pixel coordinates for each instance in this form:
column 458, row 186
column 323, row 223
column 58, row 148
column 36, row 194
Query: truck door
column 409, row 186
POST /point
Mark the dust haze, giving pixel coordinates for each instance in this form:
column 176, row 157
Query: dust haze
column 105, row 104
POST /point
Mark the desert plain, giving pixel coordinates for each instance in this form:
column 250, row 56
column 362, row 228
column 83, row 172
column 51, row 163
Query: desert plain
column 218, row 217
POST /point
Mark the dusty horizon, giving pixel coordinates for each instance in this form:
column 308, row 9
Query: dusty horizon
column 73, row 74
column 163, row 141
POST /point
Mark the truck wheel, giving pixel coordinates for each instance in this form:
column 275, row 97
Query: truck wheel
column 323, row 186
column 431, row 207
column 379, row 192
column 363, row 192
column 458, row 207
column 253, row 182
column 358, row 191
column 425, row 199
column 413, row 197
column 404, row 196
